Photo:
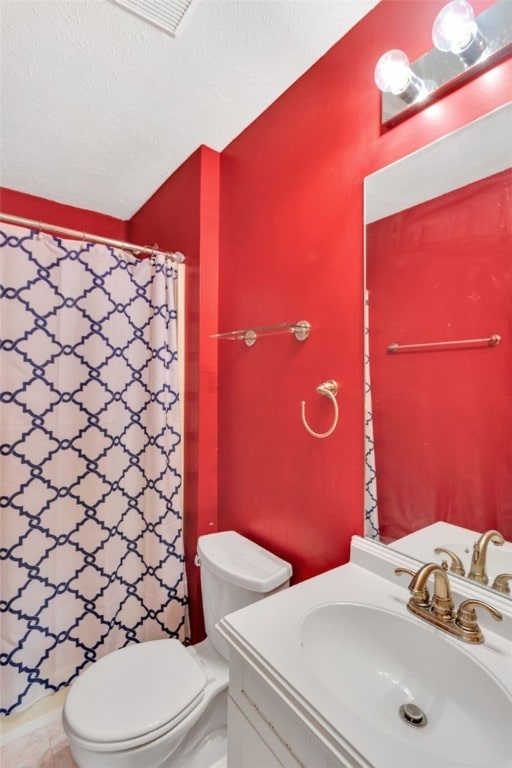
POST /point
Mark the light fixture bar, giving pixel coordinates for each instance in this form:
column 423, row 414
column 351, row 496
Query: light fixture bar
column 442, row 72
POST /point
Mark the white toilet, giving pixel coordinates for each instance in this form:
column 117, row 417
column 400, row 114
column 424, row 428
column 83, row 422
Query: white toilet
column 159, row 704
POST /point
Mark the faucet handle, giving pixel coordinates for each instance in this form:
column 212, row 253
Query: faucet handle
column 466, row 619
column 500, row 583
column 456, row 565
column 408, row 571
column 420, row 596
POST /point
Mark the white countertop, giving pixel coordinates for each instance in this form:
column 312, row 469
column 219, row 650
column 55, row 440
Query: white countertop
column 268, row 633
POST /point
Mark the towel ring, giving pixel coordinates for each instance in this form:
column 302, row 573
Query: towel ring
column 328, row 389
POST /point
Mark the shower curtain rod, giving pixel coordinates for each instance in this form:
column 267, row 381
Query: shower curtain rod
column 41, row 225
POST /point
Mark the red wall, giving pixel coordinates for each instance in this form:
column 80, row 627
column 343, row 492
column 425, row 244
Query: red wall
column 40, row 209
column 292, row 249
column 183, row 215
column 442, row 271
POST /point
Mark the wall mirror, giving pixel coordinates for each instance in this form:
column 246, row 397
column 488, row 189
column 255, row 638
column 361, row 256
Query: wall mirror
column 438, row 363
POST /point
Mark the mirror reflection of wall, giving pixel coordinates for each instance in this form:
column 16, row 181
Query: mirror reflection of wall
column 442, row 271
column 439, row 269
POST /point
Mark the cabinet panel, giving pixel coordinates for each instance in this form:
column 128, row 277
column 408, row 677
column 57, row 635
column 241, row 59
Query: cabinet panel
column 246, row 748
column 293, row 741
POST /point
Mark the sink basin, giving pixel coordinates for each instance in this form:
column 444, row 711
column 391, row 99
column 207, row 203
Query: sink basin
column 375, row 661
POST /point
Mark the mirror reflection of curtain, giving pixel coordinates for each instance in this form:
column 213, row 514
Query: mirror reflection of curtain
column 371, row 512
column 90, row 459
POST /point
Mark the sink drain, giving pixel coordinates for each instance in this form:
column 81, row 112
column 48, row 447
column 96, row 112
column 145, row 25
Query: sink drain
column 413, row 715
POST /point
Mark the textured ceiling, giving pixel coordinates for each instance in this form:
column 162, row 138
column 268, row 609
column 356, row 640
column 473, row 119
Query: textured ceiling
column 98, row 107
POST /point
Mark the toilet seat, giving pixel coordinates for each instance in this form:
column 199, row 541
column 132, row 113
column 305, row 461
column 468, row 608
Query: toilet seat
column 134, row 695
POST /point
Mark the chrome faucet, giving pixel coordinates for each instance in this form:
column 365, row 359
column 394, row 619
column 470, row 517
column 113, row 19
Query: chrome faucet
column 440, row 609
column 478, row 561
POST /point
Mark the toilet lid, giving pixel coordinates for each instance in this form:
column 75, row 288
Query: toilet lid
column 135, row 690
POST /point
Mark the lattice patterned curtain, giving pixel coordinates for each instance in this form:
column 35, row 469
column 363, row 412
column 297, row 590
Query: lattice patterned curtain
column 371, row 512
column 91, row 541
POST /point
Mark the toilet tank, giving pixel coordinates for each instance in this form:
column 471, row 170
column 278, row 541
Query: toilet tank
column 235, row 572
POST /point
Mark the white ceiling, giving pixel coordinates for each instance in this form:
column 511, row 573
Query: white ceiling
column 98, row 107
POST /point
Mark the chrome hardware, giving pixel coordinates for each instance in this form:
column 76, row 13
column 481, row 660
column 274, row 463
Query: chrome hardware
column 478, row 561
column 456, row 565
column 177, row 257
column 413, row 715
column 300, row 330
column 466, row 621
column 500, row 583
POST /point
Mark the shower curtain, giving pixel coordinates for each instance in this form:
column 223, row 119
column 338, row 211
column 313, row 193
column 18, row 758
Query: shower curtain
column 91, row 544
column 371, row 512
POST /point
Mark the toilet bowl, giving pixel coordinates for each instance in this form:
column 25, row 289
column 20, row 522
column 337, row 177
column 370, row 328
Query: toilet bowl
column 159, row 704
column 136, row 710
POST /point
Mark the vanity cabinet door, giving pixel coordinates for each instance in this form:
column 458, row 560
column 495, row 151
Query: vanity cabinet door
column 265, row 731
column 246, row 748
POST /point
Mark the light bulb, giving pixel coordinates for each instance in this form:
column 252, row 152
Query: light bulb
column 394, row 75
column 455, row 28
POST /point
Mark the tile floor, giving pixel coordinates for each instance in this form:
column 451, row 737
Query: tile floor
column 45, row 746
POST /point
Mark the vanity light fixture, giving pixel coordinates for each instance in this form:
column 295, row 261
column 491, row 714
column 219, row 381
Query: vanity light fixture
column 455, row 30
column 463, row 47
column 394, row 75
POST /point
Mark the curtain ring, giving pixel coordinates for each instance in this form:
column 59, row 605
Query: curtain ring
column 328, row 389
column 151, row 254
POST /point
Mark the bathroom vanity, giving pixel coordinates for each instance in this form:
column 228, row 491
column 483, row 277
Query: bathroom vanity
column 336, row 672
